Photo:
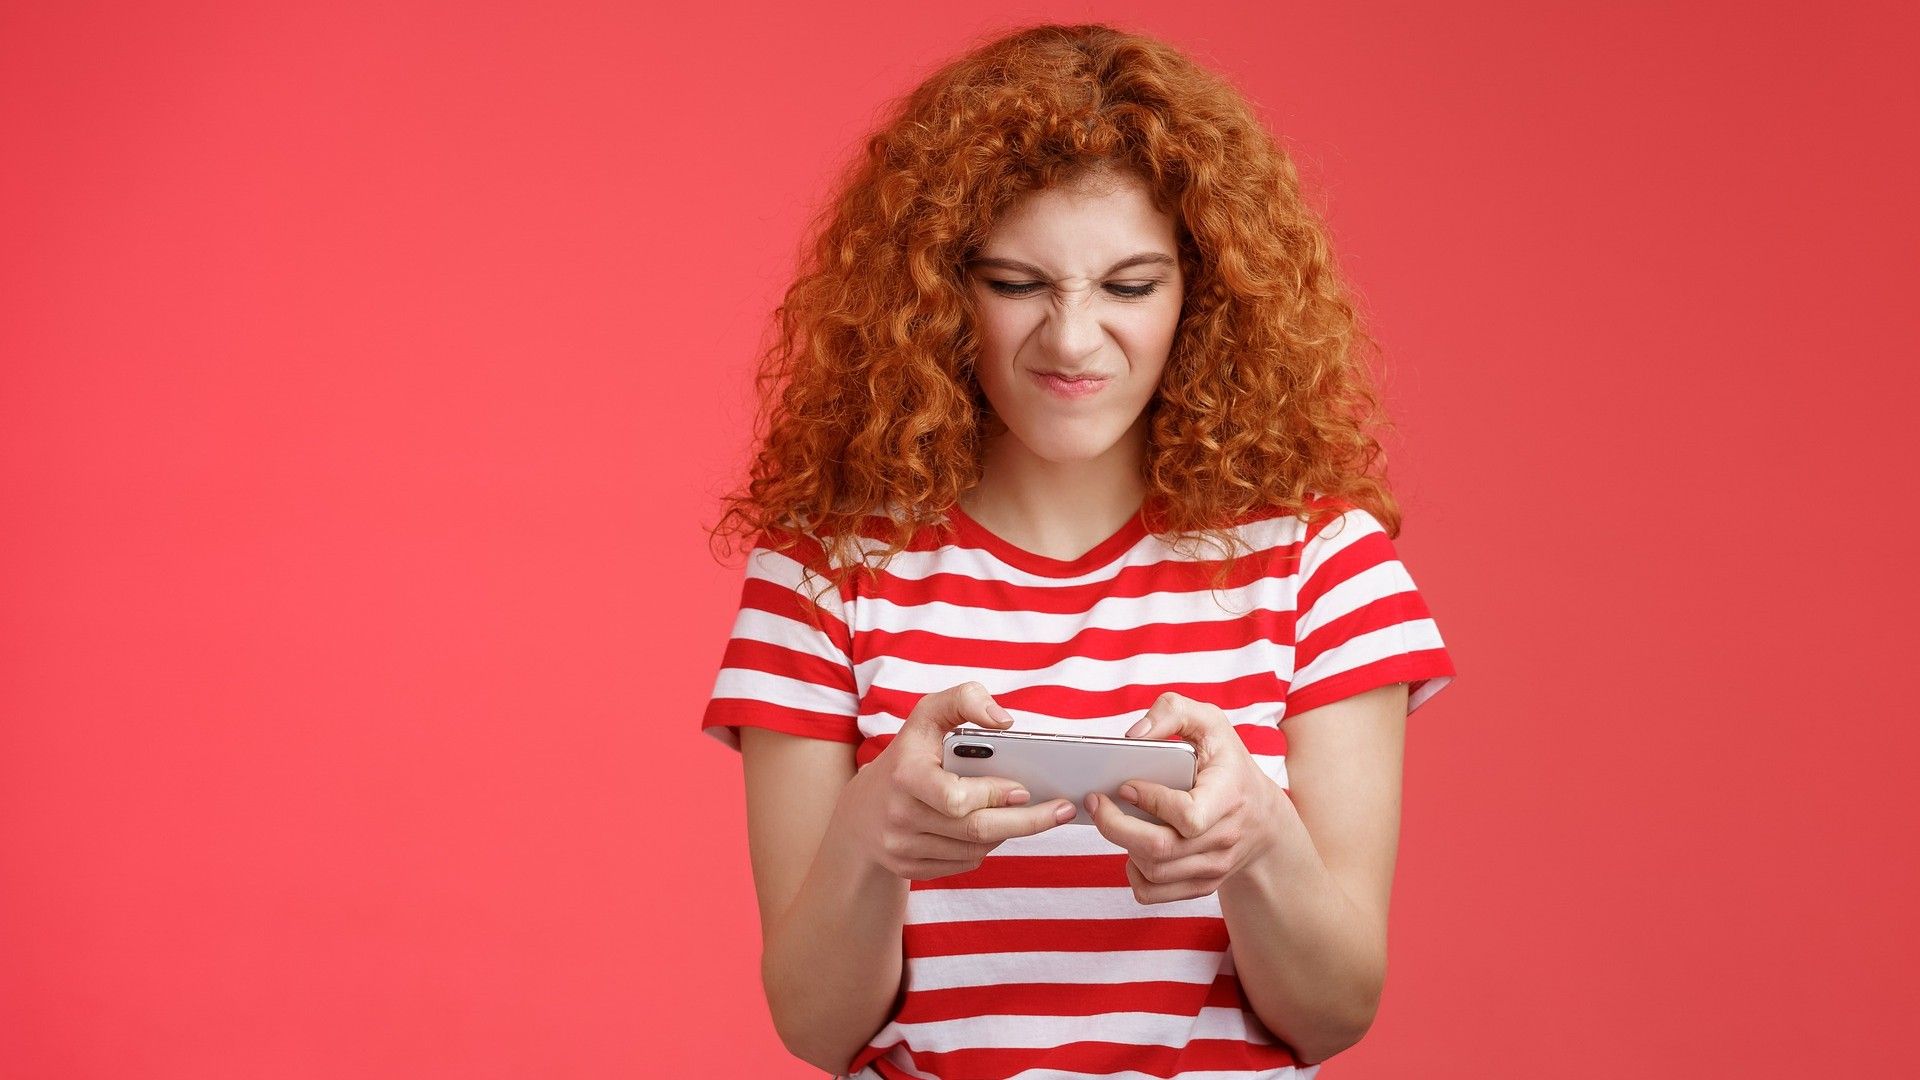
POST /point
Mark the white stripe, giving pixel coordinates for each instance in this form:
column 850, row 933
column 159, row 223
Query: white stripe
column 1285, row 1072
column 969, row 905
column 1002, row 1030
column 1402, row 637
column 1379, row 580
column 782, row 569
column 1062, row 841
column 1200, row 966
column 734, row 682
column 1178, row 606
column 1260, row 713
column 893, row 1058
column 1427, row 689
column 1079, row 672
column 1281, row 1073
column 1335, row 536
column 1259, row 536
column 752, row 624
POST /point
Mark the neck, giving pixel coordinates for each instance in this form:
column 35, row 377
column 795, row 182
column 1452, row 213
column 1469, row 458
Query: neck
column 1058, row 505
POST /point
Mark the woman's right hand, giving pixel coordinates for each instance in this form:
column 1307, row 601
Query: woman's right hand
column 905, row 812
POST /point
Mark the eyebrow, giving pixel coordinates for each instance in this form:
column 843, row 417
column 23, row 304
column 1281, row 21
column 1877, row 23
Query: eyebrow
column 1154, row 258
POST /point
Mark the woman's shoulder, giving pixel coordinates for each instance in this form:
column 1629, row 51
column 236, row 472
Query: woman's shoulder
column 1271, row 518
column 1276, row 534
column 859, row 540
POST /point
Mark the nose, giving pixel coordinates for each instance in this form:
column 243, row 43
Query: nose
column 1072, row 329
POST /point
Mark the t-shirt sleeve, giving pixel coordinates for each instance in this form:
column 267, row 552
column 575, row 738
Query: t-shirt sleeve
column 1359, row 621
column 778, row 671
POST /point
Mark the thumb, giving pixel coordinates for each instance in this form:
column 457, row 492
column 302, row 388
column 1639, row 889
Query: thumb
column 941, row 712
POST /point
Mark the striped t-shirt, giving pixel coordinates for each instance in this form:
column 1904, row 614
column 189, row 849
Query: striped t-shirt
column 1041, row 958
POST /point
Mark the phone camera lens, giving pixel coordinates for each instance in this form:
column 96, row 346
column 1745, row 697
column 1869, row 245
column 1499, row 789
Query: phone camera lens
column 974, row 750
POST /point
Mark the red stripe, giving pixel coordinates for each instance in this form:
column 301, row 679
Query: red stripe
column 734, row 712
column 1101, row 1057
column 1071, row 999
column 870, row 748
column 1146, row 579
column 1412, row 668
column 1066, row 702
column 1037, row 872
column 1378, row 614
column 788, row 602
column 1364, row 552
column 1258, row 739
column 1078, row 999
column 1331, row 508
column 1206, row 933
column 807, row 550
column 1263, row 741
column 1094, row 643
column 1271, row 742
column 752, row 655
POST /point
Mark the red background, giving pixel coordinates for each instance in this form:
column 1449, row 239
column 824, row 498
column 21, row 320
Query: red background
column 371, row 372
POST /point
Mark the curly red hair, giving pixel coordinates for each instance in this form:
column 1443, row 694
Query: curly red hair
column 868, row 403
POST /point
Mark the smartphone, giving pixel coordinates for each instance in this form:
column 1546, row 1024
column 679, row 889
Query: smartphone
column 1054, row 766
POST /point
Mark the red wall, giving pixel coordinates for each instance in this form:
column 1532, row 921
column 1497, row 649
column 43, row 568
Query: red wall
column 368, row 375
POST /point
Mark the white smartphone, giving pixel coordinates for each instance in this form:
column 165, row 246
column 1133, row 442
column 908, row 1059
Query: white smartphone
column 1054, row 766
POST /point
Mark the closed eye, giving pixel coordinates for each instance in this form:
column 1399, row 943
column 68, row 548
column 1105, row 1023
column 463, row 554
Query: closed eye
column 1026, row 288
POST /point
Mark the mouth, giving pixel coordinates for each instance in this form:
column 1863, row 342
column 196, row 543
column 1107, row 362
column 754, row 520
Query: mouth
column 1069, row 388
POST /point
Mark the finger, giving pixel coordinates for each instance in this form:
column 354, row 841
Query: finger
column 928, row 869
column 1218, row 794
column 957, row 796
column 1206, row 726
column 1152, row 892
column 1142, row 839
column 1207, row 866
column 935, row 847
column 1184, row 811
column 996, row 824
column 1162, row 716
column 941, row 712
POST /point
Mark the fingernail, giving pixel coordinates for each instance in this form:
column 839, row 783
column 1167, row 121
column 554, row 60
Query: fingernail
column 1128, row 792
column 1093, row 803
column 1018, row 797
column 1065, row 813
column 1137, row 728
column 1000, row 714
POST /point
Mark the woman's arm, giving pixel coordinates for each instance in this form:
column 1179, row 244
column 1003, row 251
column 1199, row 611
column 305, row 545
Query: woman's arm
column 835, row 850
column 830, row 921
column 1308, row 923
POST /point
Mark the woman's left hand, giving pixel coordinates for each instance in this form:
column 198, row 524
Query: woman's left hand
column 1234, row 815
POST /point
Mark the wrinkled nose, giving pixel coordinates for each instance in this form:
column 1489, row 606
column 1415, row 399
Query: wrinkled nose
column 1072, row 330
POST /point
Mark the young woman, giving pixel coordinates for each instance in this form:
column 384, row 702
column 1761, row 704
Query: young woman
column 1069, row 431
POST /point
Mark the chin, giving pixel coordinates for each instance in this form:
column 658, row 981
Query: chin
column 1062, row 445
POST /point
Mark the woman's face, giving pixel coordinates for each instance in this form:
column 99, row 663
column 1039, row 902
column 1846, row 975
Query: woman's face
column 1079, row 283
